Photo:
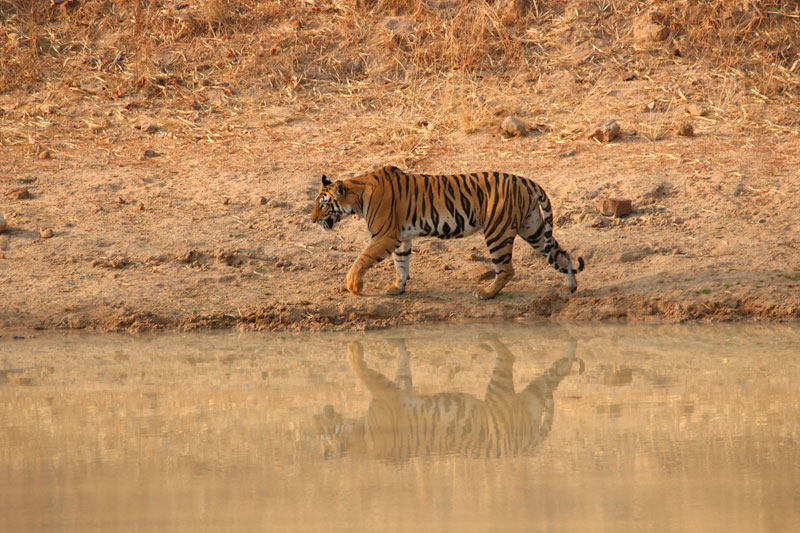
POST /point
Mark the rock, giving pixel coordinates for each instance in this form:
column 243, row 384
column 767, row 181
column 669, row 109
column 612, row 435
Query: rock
column 649, row 32
column 685, row 129
column 628, row 75
column 651, row 107
column 150, row 153
column 139, row 206
column 19, row 194
column 121, row 200
column 3, row 223
column 44, row 155
column 514, row 127
column 696, row 111
column 114, row 262
column 604, row 132
column 595, row 222
column 45, row 233
column 149, row 128
column 614, row 207
column 516, row 7
column 258, row 200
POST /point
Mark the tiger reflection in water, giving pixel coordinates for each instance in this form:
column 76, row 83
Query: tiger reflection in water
column 400, row 424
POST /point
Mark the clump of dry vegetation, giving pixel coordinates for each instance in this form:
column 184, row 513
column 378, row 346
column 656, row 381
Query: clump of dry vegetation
column 410, row 69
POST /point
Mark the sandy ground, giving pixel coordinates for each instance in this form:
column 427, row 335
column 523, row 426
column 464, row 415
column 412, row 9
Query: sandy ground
column 213, row 230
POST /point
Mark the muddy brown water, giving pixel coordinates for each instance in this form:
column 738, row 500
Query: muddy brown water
column 667, row 428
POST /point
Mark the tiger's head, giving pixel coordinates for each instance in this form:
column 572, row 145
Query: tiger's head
column 328, row 209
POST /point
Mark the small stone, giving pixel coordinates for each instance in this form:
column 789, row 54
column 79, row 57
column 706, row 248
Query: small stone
column 139, row 206
column 45, row 233
column 604, row 132
column 121, row 200
column 150, row 153
column 647, row 31
column 514, row 127
column 696, row 111
column 19, row 194
column 650, row 107
column 149, row 128
column 258, row 200
column 44, row 155
column 3, row 223
column 614, row 207
column 226, row 200
column 685, row 129
column 628, row 75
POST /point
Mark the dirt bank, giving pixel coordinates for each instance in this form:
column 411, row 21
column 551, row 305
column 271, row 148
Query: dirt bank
column 191, row 209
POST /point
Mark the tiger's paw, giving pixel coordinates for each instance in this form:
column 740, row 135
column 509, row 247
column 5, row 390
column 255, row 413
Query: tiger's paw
column 354, row 284
column 482, row 294
column 394, row 290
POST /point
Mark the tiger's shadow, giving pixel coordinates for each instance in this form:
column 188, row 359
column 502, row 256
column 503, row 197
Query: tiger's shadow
column 400, row 423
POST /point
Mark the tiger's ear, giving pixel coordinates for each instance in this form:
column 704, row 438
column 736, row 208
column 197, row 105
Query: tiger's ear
column 325, row 181
column 339, row 189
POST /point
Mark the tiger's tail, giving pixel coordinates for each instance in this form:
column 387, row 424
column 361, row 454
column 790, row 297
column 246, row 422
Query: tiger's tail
column 549, row 380
column 551, row 247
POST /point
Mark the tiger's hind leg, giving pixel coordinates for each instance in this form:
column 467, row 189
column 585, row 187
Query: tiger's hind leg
column 402, row 260
column 539, row 235
column 500, row 249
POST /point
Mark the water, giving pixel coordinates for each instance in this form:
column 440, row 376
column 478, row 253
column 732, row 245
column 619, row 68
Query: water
column 669, row 428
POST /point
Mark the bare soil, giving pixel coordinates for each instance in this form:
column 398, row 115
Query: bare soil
column 192, row 211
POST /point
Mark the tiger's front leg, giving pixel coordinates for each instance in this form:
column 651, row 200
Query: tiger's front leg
column 377, row 250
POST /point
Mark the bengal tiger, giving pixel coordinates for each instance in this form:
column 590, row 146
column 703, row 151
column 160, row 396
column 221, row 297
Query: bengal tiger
column 400, row 424
column 398, row 206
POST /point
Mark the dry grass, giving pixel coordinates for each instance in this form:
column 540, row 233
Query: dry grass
column 411, row 70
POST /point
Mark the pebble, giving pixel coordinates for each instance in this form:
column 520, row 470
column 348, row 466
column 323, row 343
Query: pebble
column 604, row 132
column 685, row 129
column 19, row 194
column 514, row 127
column 45, row 233
column 614, row 206
column 140, row 206
column 3, row 223
column 696, row 111
column 258, row 200
column 44, row 155
column 647, row 31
